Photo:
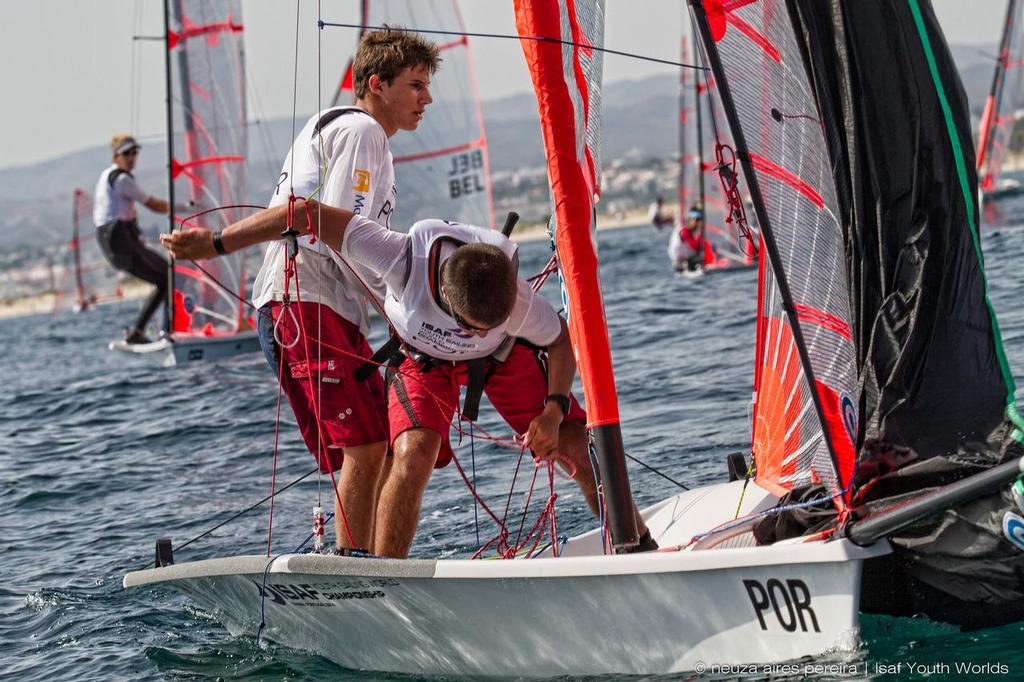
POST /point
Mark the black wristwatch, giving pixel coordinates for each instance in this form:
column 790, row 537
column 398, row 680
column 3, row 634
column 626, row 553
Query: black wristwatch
column 561, row 399
column 218, row 245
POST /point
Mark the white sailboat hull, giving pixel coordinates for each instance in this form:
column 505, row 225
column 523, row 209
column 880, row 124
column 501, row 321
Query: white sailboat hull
column 575, row 615
column 181, row 349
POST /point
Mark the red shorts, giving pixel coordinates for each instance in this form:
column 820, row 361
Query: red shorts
column 351, row 412
column 427, row 399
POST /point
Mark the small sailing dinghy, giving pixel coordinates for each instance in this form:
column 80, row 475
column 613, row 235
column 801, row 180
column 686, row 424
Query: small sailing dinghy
column 84, row 278
column 442, row 617
column 206, row 311
column 999, row 118
column 724, row 242
column 719, row 592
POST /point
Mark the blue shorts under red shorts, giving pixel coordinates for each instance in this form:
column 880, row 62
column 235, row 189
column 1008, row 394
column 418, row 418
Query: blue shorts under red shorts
column 427, row 399
column 351, row 412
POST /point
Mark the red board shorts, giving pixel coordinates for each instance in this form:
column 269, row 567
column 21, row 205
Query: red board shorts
column 351, row 412
column 427, row 399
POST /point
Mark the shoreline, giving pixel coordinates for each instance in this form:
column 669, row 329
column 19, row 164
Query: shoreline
column 43, row 304
column 538, row 231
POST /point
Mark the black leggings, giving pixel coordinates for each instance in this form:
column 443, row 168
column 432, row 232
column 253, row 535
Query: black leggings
column 123, row 247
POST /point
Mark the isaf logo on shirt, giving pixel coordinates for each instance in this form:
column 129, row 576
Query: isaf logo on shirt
column 361, row 179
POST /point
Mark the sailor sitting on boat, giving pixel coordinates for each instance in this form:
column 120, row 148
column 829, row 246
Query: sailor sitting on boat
column 658, row 216
column 466, row 318
column 685, row 248
column 117, row 229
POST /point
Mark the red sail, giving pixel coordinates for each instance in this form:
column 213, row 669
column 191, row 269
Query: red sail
column 566, row 78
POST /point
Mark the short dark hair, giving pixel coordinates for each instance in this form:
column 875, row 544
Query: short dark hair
column 480, row 282
column 386, row 52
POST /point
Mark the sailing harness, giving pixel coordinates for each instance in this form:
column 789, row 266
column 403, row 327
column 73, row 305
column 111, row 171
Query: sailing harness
column 394, row 351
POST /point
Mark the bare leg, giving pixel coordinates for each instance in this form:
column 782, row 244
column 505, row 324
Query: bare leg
column 398, row 510
column 358, row 485
column 572, row 444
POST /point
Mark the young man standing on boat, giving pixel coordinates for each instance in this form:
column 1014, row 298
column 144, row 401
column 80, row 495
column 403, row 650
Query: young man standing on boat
column 342, row 157
column 465, row 317
column 117, row 229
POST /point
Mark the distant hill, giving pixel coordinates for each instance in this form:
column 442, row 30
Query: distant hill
column 35, row 200
column 639, row 116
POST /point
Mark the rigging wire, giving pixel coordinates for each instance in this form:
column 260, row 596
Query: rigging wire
column 237, row 515
column 540, row 39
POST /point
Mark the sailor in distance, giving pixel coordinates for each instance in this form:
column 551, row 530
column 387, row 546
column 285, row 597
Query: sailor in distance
column 686, row 247
column 658, row 216
column 342, row 155
column 117, row 229
column 453, row 296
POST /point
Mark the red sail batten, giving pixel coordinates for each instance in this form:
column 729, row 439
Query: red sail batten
column 475, row 144
column 779, row 173
column 211, row 31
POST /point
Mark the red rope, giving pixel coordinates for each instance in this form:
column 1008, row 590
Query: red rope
column 322, row 456
column 547, row 514
column 736, row 213
column 277, row 436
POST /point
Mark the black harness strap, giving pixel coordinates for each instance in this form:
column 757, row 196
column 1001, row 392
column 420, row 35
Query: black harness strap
column 391, row 347
column 476, row 376
column 115, row 174
column 392, row 354
column 333, row 114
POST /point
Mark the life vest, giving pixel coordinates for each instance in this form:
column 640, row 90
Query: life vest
column 108, row 205
column 690, row 239
column 416, row 313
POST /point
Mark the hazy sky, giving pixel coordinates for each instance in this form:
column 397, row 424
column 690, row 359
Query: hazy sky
column 71, row 75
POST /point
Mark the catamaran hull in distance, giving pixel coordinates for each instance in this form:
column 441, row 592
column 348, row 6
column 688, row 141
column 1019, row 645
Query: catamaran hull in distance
column 580, row 614
column 182, row 349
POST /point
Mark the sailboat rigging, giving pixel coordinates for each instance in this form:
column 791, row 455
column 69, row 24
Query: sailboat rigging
column 649, row 635
column 938, row 397
column 206, row 311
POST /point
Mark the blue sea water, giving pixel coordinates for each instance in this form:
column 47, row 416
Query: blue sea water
column 101, row 453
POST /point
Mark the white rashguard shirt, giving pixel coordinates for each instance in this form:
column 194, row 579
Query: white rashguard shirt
column 116, row 202
column 357, row 173
column 389, row 254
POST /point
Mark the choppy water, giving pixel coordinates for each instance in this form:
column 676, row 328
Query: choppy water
column 100, row 454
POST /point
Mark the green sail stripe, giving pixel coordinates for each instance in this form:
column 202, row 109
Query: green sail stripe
column 961, row 169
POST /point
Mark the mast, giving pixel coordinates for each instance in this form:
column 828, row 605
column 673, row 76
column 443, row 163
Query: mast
column 682, row 194
column 169, row 302
column 700, row 138
column 990, row 116
column 76, row 246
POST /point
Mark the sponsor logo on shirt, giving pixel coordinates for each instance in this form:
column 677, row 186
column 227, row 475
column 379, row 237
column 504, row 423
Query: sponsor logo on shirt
column 361, row 179
column 447, row 340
